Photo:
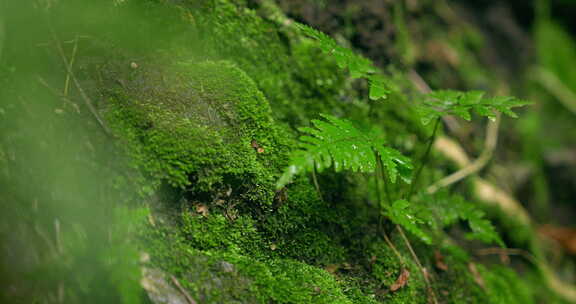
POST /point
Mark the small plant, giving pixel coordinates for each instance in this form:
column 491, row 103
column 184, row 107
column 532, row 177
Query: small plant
column 358, row 66
column 446, row 102
column 335, row 142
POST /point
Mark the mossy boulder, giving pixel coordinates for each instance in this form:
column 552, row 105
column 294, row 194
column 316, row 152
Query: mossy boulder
column 198, row 126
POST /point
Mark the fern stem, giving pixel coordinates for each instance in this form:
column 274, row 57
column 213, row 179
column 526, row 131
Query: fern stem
column 394, row 249
column 316, row 184
column 423, row 160
column 386, row 188
column 382, row 176
column 419, row 264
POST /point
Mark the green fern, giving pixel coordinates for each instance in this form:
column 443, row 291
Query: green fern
column 439, row 212
column 448, row 102
column 337, row 143
column 410, row 217
column 448, row 210
column 358, row 66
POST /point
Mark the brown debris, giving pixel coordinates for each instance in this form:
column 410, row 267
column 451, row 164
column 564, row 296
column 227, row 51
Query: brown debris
column 566, row 237
column 476, row 274
column 202, row 209
column 439, row 261
column 401, row 281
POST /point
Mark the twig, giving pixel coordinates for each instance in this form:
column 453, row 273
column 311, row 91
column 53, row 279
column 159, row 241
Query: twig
column 46, row 239
column 418, row 263
column 557, row 88
column 189, row 299
column 476, row 165
column 394, row 249
column 67, row 83
column 58, row 94
column 85, row 97
column 508, row 251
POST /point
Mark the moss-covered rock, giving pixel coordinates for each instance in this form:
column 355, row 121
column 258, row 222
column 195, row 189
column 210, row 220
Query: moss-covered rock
column 197, row 126
column 211, row 114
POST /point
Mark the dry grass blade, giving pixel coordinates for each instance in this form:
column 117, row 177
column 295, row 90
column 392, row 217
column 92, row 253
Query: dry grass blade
column 83, row 94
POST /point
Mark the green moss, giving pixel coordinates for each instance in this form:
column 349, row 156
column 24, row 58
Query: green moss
column 503, row 285
column 201, row 119
column 223, row 271
column 195, row 126
column 296, row 77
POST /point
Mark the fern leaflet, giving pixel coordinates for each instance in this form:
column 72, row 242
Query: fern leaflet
column 450, row 209
column 448, row 102
column 406, row 215
column 336, row 142
column 359, row 66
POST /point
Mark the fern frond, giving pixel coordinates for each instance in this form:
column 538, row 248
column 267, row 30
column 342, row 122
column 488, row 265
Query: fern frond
column 441, row 211
column 406, row 214
column 335, row 142
column 357, row 65
column 459, row 103
column 451, row 209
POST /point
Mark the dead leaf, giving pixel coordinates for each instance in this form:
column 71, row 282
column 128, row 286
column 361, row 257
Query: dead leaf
column 373, row 259
column 565, row 236
column 254, row 144
column 332, row 268
column 476, row 274
column 202, row 209
column 439, row 258
column 401, row 281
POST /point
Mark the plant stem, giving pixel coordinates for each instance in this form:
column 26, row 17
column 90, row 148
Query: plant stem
column 418, row 263
column 316, row 184
column 382, row 176
column 394, row 249
column 423, row 160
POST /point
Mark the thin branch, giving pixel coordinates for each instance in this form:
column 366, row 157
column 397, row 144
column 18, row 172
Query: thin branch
column 189, row 298
column 67, row 83
column 419, row 264
column 557, row 88
column 476, row 165
column 85, row 97
column 508, row 251
column 394, row 249
column 58, row 94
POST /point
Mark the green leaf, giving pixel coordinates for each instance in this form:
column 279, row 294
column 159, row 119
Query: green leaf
column 446, row 102
column 404, row 214
column 449, row 210
column 378, row 88
column 357, row 65
column 336, row 143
